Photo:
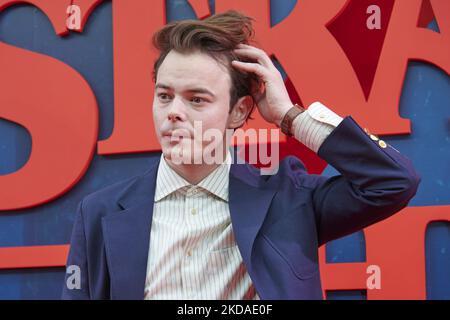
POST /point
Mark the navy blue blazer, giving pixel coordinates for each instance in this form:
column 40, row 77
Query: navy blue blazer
column 279, row 220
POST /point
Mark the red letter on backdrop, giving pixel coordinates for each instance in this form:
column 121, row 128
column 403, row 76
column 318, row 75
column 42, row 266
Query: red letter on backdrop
column 397, row 246
column 320, row 69
column 57, row 107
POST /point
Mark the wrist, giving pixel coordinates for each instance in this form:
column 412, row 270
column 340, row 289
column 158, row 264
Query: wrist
column 288, row 119
column 285, row 109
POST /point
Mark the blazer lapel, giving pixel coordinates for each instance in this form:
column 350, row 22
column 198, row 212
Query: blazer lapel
column 249, row 200
column 127, row 236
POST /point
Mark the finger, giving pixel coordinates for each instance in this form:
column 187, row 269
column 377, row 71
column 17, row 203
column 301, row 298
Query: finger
column 251, row 67
column 247, row 46
column 255, row 54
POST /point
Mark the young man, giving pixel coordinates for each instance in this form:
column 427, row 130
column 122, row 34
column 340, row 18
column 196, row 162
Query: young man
column 192, row 229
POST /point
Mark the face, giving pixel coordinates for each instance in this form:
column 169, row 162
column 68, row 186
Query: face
column 192, row 97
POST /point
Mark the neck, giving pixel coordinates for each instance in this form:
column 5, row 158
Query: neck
column 193, row 173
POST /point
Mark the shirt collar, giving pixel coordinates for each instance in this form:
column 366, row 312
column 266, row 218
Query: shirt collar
column 169, row 181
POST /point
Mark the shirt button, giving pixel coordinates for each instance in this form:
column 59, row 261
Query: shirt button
column 189, row 253
column 191, row 191
column 194, row 211
column 322, row 116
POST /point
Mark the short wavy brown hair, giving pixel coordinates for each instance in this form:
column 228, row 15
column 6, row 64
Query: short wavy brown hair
column 217, row 36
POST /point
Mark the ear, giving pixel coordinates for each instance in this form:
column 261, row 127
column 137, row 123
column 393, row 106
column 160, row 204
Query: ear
column 240, row 112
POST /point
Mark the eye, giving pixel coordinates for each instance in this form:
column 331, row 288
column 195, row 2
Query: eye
column 197, row 100
column 164, row 97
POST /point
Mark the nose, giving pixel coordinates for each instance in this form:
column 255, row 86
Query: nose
column 176, row 112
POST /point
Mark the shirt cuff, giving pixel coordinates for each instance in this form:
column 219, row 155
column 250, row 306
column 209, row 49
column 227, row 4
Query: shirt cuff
column 314, row 125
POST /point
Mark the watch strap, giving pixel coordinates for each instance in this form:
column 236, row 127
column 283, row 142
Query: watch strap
column 288, row 119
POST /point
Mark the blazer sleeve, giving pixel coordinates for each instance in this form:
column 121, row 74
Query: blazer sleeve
column 77, row 260
column 375, row 182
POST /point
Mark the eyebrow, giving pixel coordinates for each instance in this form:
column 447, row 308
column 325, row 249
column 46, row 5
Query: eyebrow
column 191, row 90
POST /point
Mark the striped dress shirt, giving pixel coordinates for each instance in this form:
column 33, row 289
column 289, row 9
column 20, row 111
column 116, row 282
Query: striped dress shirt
column 193, row 253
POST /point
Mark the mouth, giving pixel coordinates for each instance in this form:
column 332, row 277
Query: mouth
column 176, row 135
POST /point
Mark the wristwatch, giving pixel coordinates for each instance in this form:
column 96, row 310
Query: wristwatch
column 286, row 123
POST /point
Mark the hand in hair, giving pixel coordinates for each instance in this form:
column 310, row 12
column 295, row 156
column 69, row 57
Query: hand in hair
column 272, row 97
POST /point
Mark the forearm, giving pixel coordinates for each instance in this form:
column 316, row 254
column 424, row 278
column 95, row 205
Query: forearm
column 375, row 182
